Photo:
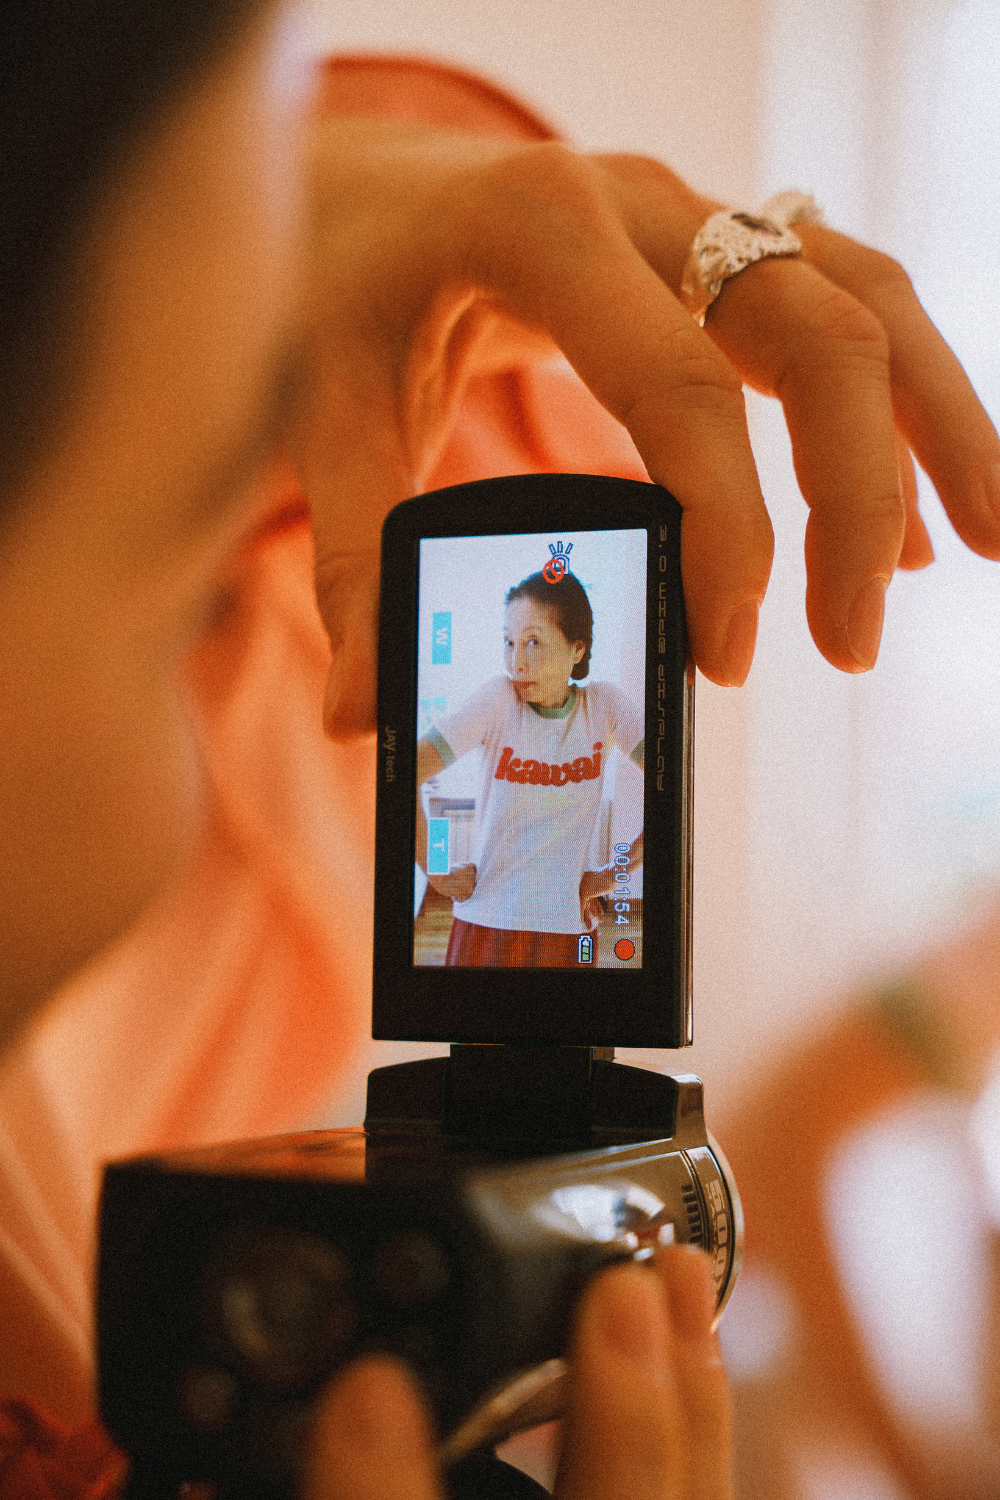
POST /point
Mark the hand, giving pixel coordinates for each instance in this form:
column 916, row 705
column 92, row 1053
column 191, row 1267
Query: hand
column 438, row 255
column 459, row 884
column 649, row 1407
column 592, row 887
column 591, row 912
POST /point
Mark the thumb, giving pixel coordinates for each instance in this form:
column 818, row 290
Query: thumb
column 372, row 417
column 372, row 1439
column 347, row 449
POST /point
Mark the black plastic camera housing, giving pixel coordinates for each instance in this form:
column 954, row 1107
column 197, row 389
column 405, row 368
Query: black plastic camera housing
column 236, row 1280
column 436, row 550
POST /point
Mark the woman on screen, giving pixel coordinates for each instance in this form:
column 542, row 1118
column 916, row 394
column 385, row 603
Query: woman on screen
column 547, row 741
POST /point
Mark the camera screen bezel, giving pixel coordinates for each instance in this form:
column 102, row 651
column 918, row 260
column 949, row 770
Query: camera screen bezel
column 649, row 1006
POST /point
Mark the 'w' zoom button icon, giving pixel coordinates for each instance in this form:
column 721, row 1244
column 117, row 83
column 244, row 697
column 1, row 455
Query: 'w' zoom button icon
column 441, row 639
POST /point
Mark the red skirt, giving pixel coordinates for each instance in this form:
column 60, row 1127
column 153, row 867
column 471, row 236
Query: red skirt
column 473, row 947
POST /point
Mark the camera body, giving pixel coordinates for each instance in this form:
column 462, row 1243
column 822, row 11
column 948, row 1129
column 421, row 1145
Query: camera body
column 235, row 1280
column 532, row 904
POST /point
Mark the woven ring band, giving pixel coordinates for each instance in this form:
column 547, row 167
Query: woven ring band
column 733, row 239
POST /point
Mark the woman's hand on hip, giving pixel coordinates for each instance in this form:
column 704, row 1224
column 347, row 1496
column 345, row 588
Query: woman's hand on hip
column 438, row 255
column 458, row 884
column 593, row 885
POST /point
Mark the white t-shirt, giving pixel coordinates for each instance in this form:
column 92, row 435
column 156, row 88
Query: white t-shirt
column 543, row 769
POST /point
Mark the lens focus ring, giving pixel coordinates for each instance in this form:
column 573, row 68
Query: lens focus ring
column 281, row 1304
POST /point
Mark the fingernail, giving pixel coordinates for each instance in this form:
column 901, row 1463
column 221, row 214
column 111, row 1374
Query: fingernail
column 689, row 1287
column 632, row 1318
column 741, row 637
column 864, row 622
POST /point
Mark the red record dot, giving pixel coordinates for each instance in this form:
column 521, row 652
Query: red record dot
column 624, row 948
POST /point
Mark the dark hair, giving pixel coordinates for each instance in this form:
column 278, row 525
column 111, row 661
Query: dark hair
column 80, row 83
column 568, row 601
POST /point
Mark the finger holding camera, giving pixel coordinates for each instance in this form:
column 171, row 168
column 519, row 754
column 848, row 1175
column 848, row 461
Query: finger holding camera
column 649, row 1411
column 648, row 1416
column 457, row 885
column 373, row 1438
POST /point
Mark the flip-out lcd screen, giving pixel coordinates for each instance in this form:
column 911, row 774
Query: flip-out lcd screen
column 533, row 829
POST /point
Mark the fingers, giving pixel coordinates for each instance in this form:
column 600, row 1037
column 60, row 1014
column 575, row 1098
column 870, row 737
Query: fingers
column 701, row 1375
column 826, row 357
column 457, row 886
column 473, row 238
column 372, row 1440
column 937, row 410
column 917, row 550
column 346, row 445
column 843, row 342
column 649, row 1411
column 852, row 356
column 591, row 912
column 573, row 270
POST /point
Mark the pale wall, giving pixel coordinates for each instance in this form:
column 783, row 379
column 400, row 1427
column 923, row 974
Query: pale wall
column 839, row 822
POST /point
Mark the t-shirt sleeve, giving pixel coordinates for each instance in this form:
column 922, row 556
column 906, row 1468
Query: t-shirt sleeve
column 472, row 724
column 626, row 723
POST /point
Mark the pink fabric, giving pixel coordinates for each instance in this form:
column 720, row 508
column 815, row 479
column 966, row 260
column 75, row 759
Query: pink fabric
column 233, row 1007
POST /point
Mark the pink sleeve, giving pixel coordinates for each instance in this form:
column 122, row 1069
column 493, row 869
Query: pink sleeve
column 232, row 1009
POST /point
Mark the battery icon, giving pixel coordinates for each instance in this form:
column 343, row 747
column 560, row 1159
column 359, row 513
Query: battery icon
column 585, row 952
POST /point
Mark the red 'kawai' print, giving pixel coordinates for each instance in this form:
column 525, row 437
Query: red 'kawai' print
column 537, row 773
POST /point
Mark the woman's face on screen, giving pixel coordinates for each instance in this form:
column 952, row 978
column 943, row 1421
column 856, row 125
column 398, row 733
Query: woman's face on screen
column 538, row 658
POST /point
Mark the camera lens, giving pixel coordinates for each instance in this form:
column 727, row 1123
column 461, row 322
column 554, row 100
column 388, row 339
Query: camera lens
column 281, row 1302
column 411, row 1268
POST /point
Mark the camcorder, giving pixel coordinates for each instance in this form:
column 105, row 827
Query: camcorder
column 532, row 909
